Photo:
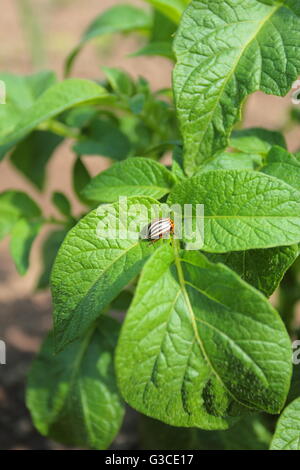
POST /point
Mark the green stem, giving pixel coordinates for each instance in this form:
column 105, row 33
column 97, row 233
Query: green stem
column 59, row 128
column 176, row 246
column 54, row 221
column 33, row 32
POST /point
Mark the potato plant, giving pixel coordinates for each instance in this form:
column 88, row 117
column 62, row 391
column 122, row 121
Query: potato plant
column 187, row 337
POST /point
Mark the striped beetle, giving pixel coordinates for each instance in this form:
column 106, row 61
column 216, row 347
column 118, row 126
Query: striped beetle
column 158, row 228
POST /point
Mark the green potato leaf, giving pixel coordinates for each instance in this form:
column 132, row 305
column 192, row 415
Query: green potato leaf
column 232, row 161
column 226, row 51
column 95, row 263
column 283, row 165
column 32, row 155
column 263, row 269
column 21, row 93
column 80, row 179
column 193, row 353
column 118, row 19
column 287, row 434
column 133, row 177
column 243, row 210
column 163, row 28
column 62, row 203
column 104, row 137
column 49, row 251
column 173, row 9
column 250, row 433
column 161, row 48
column 120, row 81
column 56, row 99
column 72, row 396
column 16, row 205
column 22, row 236
column 256, row 140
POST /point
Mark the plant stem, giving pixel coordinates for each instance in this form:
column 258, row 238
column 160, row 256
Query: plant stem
column 54, row 221
column 59, row 128
column 33, row 32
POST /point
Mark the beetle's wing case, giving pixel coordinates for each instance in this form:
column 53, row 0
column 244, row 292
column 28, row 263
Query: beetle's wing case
column 157, row 228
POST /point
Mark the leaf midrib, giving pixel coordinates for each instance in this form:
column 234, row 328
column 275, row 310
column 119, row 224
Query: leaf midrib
column 75, row 373
column 129, row 186
column 182, row 283
column 123, row 253
column 17, row 134
column 261, row 24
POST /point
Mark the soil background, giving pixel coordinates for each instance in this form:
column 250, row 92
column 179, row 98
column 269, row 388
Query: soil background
column 25, row 314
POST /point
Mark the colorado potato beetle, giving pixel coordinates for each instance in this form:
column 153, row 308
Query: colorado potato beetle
column 158, row 228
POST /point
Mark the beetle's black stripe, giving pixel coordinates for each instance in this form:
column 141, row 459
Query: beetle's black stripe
column 158, row 228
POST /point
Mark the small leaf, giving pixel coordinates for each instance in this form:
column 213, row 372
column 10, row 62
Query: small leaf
column 23, row 235
column 163, row 49
column 120, row 81
column 81, row 116
column 287, row 434
column 177, row 163
column 104, row 137
column 294, row 391
column 93, row 266
column 263, row 269
column 163, row 28
column 21, row 92
column 232, row 161
column 133, row 177
column 284, row 166
column 192, row 352
column 118, row 19
column 81, row 178
column 54, row 101
column 243, row 210
column 32, row 154
column 250, row 433
column 226, row 51
column 62, row 203
column 49, row 252
column 15, row 205
column 137, row 103
column 72, row 396
column 173, row 9
column 256, row 140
